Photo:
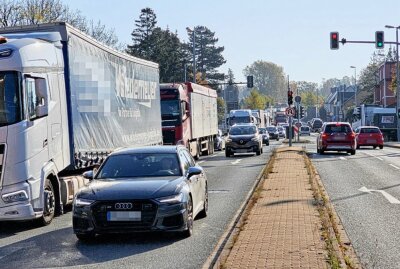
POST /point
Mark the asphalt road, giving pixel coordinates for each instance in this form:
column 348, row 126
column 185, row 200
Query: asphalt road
column 365, row 191
column 230, row 179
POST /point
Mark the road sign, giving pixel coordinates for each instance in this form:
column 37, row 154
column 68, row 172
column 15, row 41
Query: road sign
column 297, row 99
column 298, row 124
column 290, row 111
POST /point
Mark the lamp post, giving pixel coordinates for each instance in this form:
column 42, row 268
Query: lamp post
column 355, row 85
column 397, row 77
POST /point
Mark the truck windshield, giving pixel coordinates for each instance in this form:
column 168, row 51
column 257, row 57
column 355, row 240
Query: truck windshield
column 235, row 120
column 10, row 98
column 170, row 107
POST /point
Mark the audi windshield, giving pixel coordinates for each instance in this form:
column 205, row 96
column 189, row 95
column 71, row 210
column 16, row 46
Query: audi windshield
column 137, row 165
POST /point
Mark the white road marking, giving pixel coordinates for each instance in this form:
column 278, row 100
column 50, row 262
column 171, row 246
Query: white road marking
column 394, row 166
column 369, row 154
column 389, row 197
column 236, row 162
column 342, row 158
column 200, row 162
column 379, row 158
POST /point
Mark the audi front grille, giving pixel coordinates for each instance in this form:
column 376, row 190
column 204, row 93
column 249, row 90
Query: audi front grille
column 147, row 208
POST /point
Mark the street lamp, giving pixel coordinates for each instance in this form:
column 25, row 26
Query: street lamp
column 397, row 77
column 355, row 85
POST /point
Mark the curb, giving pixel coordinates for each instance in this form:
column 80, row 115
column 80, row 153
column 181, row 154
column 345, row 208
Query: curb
column 336, row 233
column 220, row 250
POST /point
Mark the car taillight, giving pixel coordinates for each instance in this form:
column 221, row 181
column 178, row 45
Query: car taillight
column 352, row 135
column 324, row 136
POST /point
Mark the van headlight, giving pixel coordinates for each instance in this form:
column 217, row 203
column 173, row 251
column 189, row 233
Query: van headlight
column 17, row 196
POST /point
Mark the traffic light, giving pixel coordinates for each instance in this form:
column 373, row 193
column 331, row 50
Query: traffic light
column 357, row 112
column 249, row 81
column 290, row 98
column 379, row 39
column 334, row 40
column 301, row 112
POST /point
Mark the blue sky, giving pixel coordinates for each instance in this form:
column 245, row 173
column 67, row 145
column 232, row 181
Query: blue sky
column 291, row 33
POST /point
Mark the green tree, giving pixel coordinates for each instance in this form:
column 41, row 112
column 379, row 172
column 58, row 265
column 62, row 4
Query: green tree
column 268, row 78
column 141, row 35
column 208, row 55
column 256, row 100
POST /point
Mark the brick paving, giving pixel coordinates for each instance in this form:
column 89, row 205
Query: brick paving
column 283, row 227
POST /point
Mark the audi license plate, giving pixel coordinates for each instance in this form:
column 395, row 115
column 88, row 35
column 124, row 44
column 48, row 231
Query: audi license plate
column 124, row 216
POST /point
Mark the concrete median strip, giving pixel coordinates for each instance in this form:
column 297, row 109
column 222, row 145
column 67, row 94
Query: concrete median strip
column 288, row 222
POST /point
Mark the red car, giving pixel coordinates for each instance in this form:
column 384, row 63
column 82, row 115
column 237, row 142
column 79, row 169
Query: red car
column 336, row 136
column 369, row 136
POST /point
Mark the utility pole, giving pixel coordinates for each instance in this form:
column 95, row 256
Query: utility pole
column 290, row 117
column 194, row 55
column 397, row 79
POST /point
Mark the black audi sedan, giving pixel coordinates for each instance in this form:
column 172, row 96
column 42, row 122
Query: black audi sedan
column 156, row 188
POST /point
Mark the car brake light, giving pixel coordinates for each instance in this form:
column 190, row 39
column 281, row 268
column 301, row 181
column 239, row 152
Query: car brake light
column 324, row 135
column 352, row 135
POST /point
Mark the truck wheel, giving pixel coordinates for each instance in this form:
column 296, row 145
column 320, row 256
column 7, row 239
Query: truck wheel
column 49, row 203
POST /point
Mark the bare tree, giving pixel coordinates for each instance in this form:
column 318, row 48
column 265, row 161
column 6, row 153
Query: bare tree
column 25, row 12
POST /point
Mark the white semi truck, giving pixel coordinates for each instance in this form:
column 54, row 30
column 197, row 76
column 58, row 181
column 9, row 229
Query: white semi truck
column 66, row 101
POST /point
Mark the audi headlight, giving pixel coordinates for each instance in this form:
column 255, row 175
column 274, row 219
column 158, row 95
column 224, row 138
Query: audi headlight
column 17, row 196
column 82, row 202
column 174, row 199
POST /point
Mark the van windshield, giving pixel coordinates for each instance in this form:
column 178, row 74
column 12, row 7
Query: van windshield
column 10, row 98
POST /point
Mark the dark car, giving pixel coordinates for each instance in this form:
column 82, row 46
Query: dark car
column 157, row 188
column 273, row 132
column 369, row 136
column 316, row 124
column 243, row 138
column 265, row 135
column 336, row 136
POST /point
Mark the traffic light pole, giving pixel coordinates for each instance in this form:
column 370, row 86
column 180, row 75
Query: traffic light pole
column 290, row 117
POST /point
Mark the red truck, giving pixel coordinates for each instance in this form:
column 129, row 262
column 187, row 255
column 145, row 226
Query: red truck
column 189, row 116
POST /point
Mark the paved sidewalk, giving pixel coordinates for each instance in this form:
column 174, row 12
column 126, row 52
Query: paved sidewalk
column 283, row 227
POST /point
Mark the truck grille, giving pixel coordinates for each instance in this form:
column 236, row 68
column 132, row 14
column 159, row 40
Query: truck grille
column 147, row 208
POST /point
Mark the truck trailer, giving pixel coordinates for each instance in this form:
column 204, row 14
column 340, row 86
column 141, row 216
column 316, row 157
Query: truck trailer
column 189, row 117
column 67, row 101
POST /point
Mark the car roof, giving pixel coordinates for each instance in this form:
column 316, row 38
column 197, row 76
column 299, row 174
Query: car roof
column 148, row 149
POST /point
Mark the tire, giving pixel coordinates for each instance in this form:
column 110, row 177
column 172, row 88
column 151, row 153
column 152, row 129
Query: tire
column 375, row 147
column 267, row 144
column 204, row 212
column 258, row 152
column 353, row 152
column 87, row 237
column 277, row 139
column 381, row 147
column 49, row 204
column 358, row 147
column 227, row 153
column 318, row 151
column 321, row 151
column 189, row 221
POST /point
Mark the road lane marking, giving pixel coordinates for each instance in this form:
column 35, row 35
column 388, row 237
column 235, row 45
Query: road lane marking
column 388, row 197
column 369, row 154
column 236, row 162
column 379, row 158
column 342, row 158
column 394, row 166
column 200, row 162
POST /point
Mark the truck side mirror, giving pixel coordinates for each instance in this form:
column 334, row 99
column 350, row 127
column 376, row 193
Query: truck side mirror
column 42, row 97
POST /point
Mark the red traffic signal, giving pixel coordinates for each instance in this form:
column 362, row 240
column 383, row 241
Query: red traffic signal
column 334, row 40
column 290, row 98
